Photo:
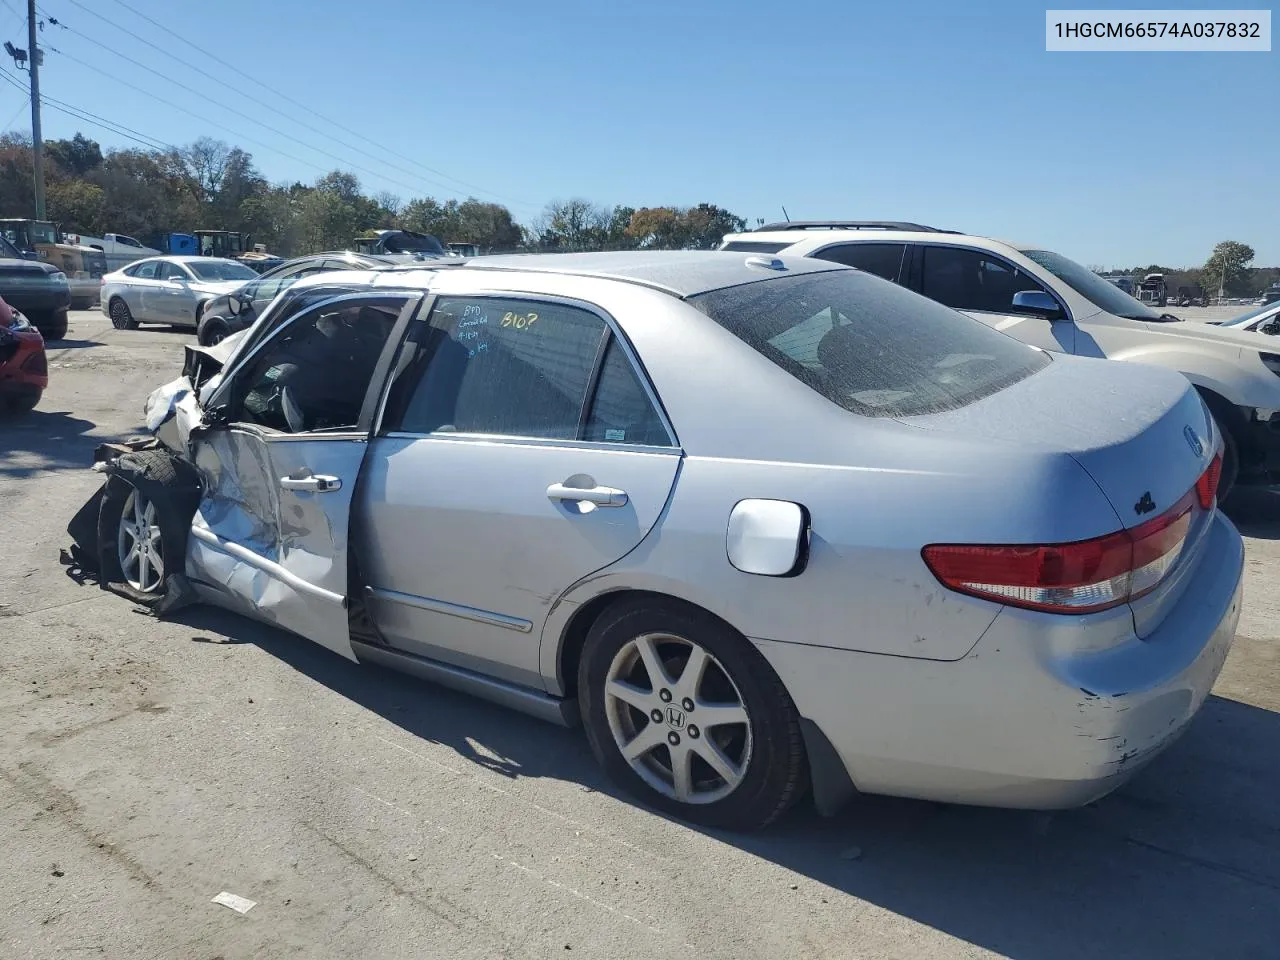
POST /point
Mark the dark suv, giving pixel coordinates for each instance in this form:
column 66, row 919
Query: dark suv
column 38, row 290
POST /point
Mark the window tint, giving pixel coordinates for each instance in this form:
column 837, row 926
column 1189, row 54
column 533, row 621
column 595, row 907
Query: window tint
column 315, row 374
column 1092, row 287
column 167, row 271
column 503, row 366
column 973, row 280
column 755, row 246
column 874, row 348
column 269, row 287
column 882, row 259
column 620, row 410
column 217, row 270
column 145, row 271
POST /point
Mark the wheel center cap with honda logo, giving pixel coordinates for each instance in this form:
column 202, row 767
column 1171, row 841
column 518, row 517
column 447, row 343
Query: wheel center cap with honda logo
column 675, row 718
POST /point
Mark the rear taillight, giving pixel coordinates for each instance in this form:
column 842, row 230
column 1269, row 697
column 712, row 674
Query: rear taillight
column 1207, row 485
column 1081, row 577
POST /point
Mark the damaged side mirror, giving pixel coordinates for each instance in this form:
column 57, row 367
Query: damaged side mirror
column 218, row 416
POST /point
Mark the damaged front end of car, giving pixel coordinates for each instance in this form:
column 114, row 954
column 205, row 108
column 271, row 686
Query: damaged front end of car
column 131, row 535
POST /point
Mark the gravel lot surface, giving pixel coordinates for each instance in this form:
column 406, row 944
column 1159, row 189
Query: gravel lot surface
column 146, row 766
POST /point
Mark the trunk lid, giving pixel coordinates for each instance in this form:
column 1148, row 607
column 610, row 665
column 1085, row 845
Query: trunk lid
column 1142, row 433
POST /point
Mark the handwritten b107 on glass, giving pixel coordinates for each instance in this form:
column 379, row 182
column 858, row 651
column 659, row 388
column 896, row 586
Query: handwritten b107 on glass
column 1140, row 31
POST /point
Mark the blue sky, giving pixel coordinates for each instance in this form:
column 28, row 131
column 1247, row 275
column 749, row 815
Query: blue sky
column 939, row 112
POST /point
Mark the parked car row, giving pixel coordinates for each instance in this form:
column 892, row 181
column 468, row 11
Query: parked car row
column 765, row 525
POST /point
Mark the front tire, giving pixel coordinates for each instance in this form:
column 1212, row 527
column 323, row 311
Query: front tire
column 52, row 326
column 213, row 333
column 121, row 315
column 685, row 714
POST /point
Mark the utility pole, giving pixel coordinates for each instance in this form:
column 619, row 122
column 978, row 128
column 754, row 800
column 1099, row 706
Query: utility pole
column 37, row 140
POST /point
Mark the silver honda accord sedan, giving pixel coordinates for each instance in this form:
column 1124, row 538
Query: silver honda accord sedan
column 170, row 290
column 765, row 527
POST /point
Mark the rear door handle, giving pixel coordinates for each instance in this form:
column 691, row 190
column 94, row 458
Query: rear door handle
column 313, row 483
column 600, row 496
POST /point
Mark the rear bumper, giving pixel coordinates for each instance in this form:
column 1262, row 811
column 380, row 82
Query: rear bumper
column 1029, row 718
column 85, row 289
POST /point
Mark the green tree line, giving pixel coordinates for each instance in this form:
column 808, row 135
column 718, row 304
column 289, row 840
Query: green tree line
column 211, row 185
column 1227, row 268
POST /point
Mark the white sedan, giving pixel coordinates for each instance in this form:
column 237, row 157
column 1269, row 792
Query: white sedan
column 169, row 290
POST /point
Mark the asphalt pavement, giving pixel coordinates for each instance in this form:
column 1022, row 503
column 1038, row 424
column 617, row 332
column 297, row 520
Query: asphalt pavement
column 147, row 766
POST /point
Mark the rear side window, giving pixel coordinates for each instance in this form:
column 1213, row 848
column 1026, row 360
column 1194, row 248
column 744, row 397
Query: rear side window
column 882, row 259
column 507, row 368
column 872, row 347
column 620, row 410
column 754, row 246
column 145, row 271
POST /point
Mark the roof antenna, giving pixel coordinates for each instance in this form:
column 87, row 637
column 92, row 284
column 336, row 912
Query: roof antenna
column 786, row 215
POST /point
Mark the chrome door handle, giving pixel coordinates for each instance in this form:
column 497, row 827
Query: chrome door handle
column 600, row 496
column 313, row 483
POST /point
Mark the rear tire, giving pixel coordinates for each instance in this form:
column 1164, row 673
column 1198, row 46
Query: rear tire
column 52, row 326
column 741, row 771
column 1229, row 421
column 121, row 315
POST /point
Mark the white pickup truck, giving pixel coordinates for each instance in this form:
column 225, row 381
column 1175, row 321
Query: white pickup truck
column 118, row 249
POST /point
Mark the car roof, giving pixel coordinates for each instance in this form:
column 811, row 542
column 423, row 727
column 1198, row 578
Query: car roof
column 683, row 273
column 182, row 258
column 813, row 239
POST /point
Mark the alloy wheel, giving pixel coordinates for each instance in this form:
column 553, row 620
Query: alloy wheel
column 678, row 719
column 120, row 315
column 138, row 544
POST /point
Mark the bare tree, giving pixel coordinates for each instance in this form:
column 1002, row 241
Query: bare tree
column 205, row 162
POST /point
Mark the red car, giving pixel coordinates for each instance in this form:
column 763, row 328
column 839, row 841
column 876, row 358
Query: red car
column 24, row 371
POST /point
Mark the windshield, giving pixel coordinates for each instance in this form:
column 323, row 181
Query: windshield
column 1092, row 287
column 7, row 249
column 43, row 232
column 413, row 243
column 220, row 270
column 869, row 345
column 1252, row 315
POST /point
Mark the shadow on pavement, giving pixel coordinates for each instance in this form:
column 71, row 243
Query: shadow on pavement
column 1256, row 512
column 43, row 440
column 1184, row 862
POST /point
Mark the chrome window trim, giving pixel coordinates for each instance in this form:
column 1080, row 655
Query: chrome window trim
column 515, row 441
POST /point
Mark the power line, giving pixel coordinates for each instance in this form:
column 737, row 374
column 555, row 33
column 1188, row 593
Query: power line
column 333, row 156
column 376, row 157
column 235, row 133
column 17, row 113
column 81, row 114
column 310, row 110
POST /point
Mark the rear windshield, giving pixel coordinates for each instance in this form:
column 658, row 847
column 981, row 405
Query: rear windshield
column 869, row 345
column 756, row 246
column 214, row 270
